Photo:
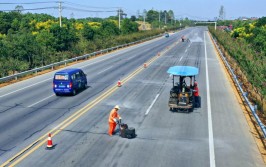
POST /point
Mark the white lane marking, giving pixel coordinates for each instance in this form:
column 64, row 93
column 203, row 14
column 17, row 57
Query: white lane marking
column 147, row 112
column 131, row 58
column 46, row 80
column 74, row 65
column 40, row 101
column 187, row 48
column 211, row 142
column 25, row 87
column 95, row 62
column 104, row 70
column 181, row 58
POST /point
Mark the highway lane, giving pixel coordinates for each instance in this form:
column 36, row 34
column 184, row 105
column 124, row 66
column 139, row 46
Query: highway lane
column 29, row 109
column 164, row 138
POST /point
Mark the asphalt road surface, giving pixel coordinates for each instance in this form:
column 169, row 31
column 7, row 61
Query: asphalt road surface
column 216, row 134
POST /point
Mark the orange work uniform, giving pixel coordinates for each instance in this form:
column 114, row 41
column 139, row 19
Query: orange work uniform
column 196, row 95
column 196, row 91
column 112, row 124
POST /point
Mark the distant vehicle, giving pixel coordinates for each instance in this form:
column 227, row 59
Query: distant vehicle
column 69, row 81
column 181, row 95
column 166, row 35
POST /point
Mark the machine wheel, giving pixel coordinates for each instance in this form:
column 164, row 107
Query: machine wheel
column 57, row 94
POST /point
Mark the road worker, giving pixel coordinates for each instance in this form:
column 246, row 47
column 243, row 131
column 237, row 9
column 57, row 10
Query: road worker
column 114, row 119
column 183, row 38
column 196, row 94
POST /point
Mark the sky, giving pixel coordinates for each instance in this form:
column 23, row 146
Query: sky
column 193, row 9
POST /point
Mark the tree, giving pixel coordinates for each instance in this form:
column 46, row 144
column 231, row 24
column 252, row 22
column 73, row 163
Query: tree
column 133, row 18
column 64, row 36
column 19, row 8
column 128, row 26
column 152, row 16
column 46, row 43
column 171, row 15
column 108, row 28
column 88, row 32
column 165, row 17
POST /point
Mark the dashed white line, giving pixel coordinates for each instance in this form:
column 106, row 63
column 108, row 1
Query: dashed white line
column 181, row 58
column 80, row 67
column 104, row 70
column 148, row 110
column 94, row 62
column 25, row 87
column 211, row 142
column 40, row 101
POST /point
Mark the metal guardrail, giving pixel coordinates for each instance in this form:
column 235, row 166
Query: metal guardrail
column 64, row 62
column 253, row 108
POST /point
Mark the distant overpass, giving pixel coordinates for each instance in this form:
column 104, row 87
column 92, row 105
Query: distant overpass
column 207, row 22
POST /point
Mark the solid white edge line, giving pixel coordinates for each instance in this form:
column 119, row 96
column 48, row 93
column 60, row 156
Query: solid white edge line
column 40, row 101
column 211, row 142
column 148, row 110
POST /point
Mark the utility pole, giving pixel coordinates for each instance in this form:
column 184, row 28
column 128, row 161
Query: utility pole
column 119, row 17
column 165, row 17
column 144, row 15
column 159, row 19
column 60, row 13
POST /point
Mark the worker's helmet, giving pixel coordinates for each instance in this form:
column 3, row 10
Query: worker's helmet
column 117, row 107
column 195, row 83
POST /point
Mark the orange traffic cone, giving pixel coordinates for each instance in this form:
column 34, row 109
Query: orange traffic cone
column 145, row 65
column 119, row 84
column 49, row 142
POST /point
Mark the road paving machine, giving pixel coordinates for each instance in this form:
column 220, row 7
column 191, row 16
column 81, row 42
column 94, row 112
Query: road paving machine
column 181, row 95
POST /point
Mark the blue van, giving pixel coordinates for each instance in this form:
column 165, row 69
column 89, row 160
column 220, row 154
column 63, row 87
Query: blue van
column 69, row 81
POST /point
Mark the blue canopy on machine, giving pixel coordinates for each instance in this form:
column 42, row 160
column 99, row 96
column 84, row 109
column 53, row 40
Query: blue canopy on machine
column 183, row 70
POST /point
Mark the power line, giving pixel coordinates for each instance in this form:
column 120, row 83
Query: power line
column 29, row 9
column 66, row 2
column 85, row 10
column 24, row 3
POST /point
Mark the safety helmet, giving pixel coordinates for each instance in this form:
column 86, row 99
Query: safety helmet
column 195, row 83
column 117, row 107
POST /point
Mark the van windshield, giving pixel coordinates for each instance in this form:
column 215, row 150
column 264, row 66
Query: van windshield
column 61, row 77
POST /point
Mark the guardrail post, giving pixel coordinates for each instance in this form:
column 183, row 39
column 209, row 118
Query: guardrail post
column 65, row 63
column 255, row 108
column 36, row 72
column 16, row 77
column 52, row 67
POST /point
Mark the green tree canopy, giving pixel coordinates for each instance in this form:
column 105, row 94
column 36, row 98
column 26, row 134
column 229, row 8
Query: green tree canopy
column 128, row 26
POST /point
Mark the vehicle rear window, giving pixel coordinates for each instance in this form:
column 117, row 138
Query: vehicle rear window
column 61, row 77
